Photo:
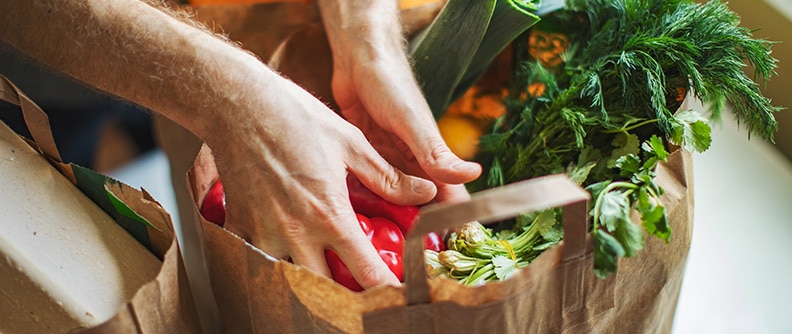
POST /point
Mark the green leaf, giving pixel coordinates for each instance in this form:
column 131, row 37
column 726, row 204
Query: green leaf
column 505, row 234
column 553, row 235
column 545, row 221
column 655, row 222
column 691, row 131
column 653, row 215
column 630, row 236
column 510, row 18
column 548, row 225
column 443, row 53
column 462, row 41
column 607, row 251
column 628, row 165
column 614, row 210
column 597, row 188
column 656, row 188
column 699, row 138
column 504, row 266
column 623, row 145
column 579, row 174
column 656, row 147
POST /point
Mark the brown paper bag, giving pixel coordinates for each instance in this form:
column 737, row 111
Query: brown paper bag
column 162, row 305
column 559, row 292
column 556, row 293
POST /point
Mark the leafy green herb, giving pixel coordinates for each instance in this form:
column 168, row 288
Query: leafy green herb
column 476, row 255
column 606, row 115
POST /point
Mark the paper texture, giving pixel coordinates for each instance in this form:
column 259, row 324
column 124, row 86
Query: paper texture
column 84, row 253
column 556, row 293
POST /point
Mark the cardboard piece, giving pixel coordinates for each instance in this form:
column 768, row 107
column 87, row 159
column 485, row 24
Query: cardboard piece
column 83, row 252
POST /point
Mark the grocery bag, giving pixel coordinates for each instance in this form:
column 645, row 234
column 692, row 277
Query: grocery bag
column 557, row 293
column 133, row 228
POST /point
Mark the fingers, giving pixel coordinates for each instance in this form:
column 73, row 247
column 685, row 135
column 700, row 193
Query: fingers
column 359, row 255
column 306, row 242
column 437, row 160
column 383, row 179
column 405, row 113
column 312, row 258
column 452, row 193
column 415, row 127
column 352, row 247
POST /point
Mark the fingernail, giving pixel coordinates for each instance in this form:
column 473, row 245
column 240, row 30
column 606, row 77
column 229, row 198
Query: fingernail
column 421, row 186
column 465, row 166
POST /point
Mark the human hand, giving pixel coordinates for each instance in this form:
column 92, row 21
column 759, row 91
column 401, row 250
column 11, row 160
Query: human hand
column 283, row 155
column 285, row 180
column 375, row 89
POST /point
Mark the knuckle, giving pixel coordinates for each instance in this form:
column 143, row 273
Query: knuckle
column 333, row 216
column 438, row 151
column 393, row 180
column 369, row 275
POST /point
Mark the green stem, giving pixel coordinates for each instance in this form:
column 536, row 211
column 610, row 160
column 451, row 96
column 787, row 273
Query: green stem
column 481, row 274
column 525, row 240
column 609, row 188
column 626, row 129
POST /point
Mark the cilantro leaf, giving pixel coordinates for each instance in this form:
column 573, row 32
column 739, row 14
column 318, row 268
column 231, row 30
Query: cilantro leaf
column 614, row 209
column 579, row 174
column 655, row 147
column 607, row 251
column 691, row 131
column 630, row 236
column 628, row 164
column 653, row 215
column 623, row 144
column 545, row 222
column 504, row 266
column 596, row 188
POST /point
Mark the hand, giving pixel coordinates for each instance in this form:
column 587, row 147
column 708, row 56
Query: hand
column 283, row 155
column 285, row 180
column 375, row 90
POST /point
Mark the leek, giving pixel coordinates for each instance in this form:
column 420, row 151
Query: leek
column 462, row 41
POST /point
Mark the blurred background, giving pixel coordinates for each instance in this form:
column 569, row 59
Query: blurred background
column 740, row 262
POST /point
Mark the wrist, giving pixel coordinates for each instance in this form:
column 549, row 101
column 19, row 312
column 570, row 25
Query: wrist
column 362, row 30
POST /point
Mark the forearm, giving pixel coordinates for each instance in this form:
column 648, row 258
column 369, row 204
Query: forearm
column 139, row 53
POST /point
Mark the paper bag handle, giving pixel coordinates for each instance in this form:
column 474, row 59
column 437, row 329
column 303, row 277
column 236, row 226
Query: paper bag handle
column 36, row 120
column 493, row 205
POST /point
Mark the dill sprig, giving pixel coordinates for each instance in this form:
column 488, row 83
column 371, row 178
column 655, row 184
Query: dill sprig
column 608, row 114
column 638, row 45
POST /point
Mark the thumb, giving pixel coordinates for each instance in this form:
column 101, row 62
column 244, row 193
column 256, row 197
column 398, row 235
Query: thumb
column 437, row 160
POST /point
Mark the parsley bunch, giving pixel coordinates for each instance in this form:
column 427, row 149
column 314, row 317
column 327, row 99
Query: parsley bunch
column 607, row 115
